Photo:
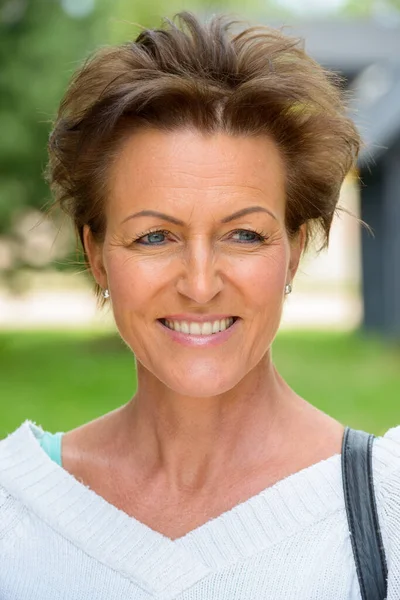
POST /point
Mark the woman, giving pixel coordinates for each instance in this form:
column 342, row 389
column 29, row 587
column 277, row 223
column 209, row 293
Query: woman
column 196, row 164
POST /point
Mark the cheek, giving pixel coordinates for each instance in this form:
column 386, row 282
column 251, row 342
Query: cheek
column 263, row 277
column 134, row 281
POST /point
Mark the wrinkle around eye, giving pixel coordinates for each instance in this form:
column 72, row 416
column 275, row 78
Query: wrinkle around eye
column 118, row 242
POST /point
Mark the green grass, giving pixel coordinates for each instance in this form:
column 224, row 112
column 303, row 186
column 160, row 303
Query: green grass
column 63, row 379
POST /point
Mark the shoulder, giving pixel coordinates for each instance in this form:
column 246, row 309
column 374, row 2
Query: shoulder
column 386, row 456
column 11, row 514
column 12, row 510
column 386, row 474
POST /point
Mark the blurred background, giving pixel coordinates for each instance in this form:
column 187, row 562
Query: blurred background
column 61, row 361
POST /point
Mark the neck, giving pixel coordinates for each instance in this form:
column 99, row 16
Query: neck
column 192, row 444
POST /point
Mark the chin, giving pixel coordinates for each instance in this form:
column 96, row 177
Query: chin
column 201, row 383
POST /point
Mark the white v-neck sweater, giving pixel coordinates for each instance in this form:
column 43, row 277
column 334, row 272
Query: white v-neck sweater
column 60, row 540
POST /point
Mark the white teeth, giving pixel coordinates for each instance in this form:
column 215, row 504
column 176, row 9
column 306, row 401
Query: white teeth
column 215, row 327
column 206, row 329
column 195, row 328
column 184, row 327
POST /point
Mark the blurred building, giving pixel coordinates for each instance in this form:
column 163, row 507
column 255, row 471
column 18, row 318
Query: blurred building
column 367, row 54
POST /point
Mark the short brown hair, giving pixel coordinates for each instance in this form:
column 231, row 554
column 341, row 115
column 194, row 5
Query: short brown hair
column 215, row 78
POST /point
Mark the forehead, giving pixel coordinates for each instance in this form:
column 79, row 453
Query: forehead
column 187, row 167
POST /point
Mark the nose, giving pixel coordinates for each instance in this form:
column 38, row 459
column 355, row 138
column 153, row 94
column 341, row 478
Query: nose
column 200, row 279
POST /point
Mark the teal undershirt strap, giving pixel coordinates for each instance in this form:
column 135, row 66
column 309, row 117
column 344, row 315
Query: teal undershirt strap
column 51, row 444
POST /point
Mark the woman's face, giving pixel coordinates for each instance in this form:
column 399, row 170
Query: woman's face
column 196, row 230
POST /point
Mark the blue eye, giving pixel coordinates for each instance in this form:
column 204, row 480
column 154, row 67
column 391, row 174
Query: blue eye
column 250, row 236
column 155, row 238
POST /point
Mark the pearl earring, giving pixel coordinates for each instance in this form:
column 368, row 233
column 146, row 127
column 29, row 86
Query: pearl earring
column 288, row 288
column 105, row 294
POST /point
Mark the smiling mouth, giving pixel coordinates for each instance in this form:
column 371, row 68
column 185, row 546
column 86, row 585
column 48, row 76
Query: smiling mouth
column 196, row 328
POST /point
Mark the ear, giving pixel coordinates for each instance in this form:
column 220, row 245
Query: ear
column 296, row 250
column 94, row 253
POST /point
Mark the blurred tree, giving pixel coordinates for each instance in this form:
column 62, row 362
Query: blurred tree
column 128, row 17
column 372, row 8
column 41, row 43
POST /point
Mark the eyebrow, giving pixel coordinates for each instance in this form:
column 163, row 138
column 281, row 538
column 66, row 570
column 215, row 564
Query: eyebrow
column 175, row 221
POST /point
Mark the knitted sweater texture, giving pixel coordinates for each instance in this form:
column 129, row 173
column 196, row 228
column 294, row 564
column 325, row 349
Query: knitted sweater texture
column 61, row 540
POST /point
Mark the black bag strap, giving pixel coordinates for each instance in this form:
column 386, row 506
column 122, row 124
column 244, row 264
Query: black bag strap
column 362, row 515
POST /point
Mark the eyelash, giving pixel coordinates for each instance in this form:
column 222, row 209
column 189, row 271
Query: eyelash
column 262, row 237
